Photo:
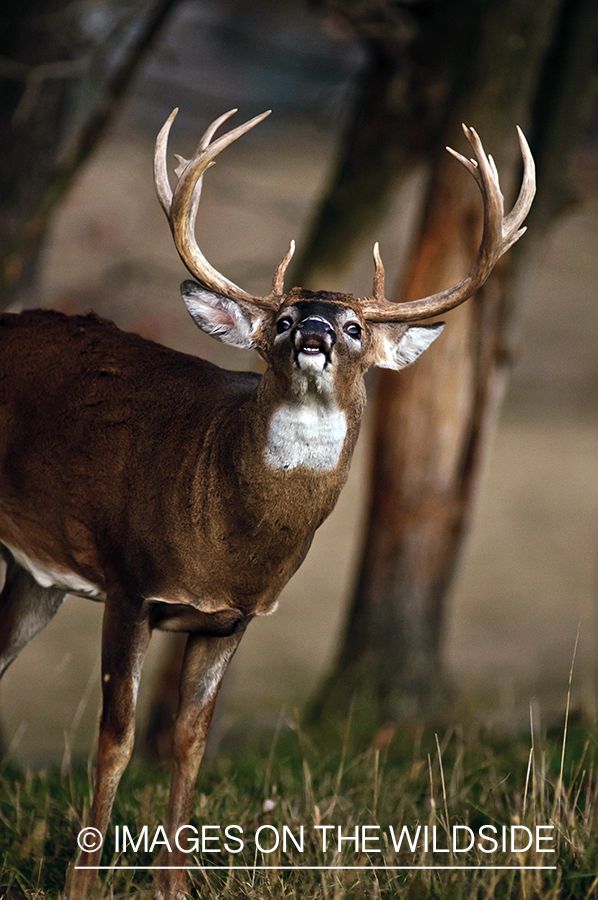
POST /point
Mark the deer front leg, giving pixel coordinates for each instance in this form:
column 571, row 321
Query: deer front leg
column 204, row 664
column 25, row 608
column 125, row 637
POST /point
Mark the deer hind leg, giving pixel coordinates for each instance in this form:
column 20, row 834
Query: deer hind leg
column 204, row 664
column 164, row 701
column 25, row 608
column 125, row 638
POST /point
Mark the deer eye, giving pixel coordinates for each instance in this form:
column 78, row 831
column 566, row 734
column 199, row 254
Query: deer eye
column 353, row 330
column 283, row 324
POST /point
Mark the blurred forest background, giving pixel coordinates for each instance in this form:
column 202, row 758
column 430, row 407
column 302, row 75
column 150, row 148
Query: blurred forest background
column 527, row 579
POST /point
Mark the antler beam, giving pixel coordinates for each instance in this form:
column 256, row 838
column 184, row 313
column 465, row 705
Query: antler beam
column 500, row 233
column 181, row 205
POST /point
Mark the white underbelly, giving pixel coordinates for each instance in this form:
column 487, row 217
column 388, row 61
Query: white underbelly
column 48, row 576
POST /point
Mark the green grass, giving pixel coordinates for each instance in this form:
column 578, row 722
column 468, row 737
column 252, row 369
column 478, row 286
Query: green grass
column 471, row 779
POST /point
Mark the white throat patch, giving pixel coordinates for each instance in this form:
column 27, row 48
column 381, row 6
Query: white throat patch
column 307, row 433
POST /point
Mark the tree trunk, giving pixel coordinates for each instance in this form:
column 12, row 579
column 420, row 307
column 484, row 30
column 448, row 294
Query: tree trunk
column 398, row 115
column 63, row 67
column 432, row 420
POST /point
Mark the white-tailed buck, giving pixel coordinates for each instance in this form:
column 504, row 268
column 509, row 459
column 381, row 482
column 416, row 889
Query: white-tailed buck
column 181, row 495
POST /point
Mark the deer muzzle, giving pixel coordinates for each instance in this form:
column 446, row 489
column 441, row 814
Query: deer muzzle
column 313, row 335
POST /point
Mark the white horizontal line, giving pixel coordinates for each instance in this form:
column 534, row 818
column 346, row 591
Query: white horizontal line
column 314, row 868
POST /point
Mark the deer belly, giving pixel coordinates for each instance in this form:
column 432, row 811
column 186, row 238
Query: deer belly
column 186, row 618
column 50, row 576
column 310, row 435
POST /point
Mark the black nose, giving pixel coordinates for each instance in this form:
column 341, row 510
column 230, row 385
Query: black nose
column 314, row 335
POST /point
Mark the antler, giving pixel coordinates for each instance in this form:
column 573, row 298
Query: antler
column 500, row 233
column 181, row 208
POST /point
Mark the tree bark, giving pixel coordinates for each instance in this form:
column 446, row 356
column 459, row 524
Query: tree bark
column 432, row 420
column 63, row 67
column 398, row 115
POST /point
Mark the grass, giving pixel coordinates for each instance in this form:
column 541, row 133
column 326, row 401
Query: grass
column 470, row 779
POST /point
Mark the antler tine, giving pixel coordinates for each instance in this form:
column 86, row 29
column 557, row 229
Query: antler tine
column 161, row 181
column 378, row 274
column 278, row 279
column 183, row 163
column 527, row 192
column 500, row 232
column 181, row 205
column 213, row 128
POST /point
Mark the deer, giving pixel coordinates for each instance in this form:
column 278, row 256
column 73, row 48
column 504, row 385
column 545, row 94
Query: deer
column 181, row 495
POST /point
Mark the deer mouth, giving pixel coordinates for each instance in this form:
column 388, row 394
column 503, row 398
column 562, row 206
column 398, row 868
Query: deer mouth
column 313, row 340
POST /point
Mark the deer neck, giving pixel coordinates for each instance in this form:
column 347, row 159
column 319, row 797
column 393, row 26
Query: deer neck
column 260, row 492
column 310, row 427
column 307, row 427
column 284, row 453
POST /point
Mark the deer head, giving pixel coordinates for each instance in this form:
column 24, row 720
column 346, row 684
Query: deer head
column 371, row 328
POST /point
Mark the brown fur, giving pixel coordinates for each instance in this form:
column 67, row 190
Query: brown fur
column 140, row 473
column 123, row 409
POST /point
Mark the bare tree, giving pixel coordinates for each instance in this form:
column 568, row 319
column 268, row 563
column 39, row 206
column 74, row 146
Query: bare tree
column 529, row 64
column 63, row 67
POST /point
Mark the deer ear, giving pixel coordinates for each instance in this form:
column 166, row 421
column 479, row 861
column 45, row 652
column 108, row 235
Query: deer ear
column 230, row 321
column 398, row 346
